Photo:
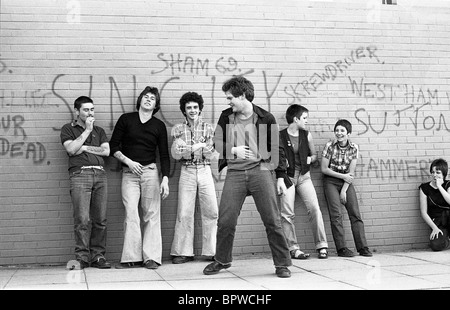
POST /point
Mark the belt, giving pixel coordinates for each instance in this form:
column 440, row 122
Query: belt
column 92, row 167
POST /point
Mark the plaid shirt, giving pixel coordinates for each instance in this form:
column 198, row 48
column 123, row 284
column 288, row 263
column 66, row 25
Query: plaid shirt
column 340, row 158
column 186, row 136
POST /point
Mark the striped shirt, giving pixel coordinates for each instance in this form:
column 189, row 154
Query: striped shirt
column 185, row 136
column 340, row 157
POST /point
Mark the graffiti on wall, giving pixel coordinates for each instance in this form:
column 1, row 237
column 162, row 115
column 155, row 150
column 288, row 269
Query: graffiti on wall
column 406, row 105
column 392, row 168
column 316, row 81
column 415, row 108
column 15, row 145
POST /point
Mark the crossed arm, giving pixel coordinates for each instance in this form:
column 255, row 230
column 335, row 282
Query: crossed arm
column 76, row 147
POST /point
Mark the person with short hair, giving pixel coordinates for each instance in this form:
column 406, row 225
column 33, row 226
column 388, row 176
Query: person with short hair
column 246, row 138
column 135, row 139
column 297, row 153
column 339, row 158
column 87, row 145
column 434, row 199
column 193, row 145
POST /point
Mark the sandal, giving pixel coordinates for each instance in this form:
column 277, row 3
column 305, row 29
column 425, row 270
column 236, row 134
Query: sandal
column 297, row 254
column 322, row 253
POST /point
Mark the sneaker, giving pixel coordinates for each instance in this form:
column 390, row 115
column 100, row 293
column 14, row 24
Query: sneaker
column 345, row 252
column 151, row 264
column 283, row 272
column 101, row 263
column 182, row 259
column 365, row 252
column 214, row 268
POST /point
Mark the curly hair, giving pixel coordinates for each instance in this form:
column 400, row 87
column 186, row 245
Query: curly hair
column 190, row 97
column 239, row 86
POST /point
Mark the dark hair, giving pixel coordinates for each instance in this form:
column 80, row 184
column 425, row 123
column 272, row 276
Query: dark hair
column 80, row 101
column 238, row 86
column 440, row 164
column 295, row 110
column 344, row 123
column 147, row 90
column 190, row 97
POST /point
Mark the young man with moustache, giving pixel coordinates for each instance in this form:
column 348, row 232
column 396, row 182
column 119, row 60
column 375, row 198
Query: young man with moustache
column 193, row 145
column 87, row 144
column 246, row 138
column 134, row 141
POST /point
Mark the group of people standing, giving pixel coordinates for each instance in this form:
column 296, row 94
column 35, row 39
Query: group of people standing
column 249, row 145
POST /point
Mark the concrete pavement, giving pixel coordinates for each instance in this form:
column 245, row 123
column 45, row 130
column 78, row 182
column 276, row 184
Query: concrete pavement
column 411, row 270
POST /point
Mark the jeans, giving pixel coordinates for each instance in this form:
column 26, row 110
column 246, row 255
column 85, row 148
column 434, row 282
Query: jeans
column 143, row 190
column 260, row 184
column 303, row 185
column 193, row 178
column 88, row 191
column 332, row 189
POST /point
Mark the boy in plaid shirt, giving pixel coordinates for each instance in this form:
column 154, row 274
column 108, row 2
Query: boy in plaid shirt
column 193, row 145
column 338, row 166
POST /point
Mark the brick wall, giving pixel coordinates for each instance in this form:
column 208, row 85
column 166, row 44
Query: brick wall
column 385, row 68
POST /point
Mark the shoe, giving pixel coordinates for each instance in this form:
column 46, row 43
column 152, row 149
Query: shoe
column 83, row 264
column 101, row 263
column 182, row 259
column 365, row 252
column 151, row 264
column 214, row 268
column 297, row 254
column 323, row 253
column 345, row 252
column 283, row 272
column 129, row 265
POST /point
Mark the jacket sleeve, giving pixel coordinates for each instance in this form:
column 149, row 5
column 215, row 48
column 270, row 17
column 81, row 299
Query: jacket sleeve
column 220, row 138
column 273, row 141
column 281, row 170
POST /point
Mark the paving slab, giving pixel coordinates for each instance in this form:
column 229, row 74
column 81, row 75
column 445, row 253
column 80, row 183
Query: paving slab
column 118, row 275
column 408, row 270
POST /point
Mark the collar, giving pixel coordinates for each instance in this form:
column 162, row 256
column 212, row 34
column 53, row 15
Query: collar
column 196, row 124
column 75, row 123
column 335, row 143
column 256, row 109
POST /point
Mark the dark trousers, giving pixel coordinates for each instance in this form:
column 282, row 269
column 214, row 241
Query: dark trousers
column 88, row 190
column 238, row 185
column 332, row 189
